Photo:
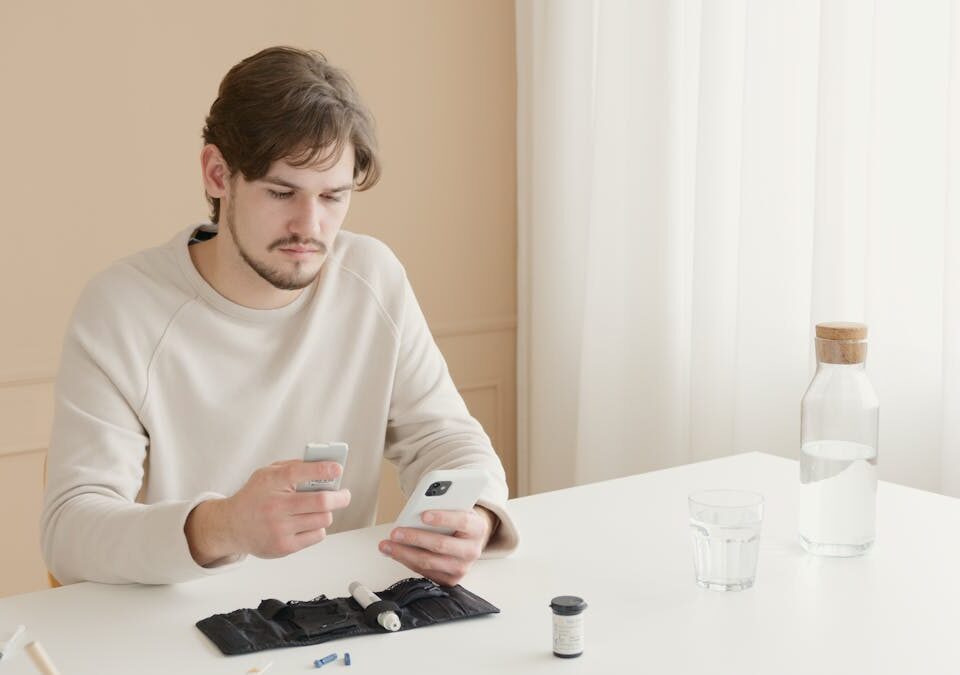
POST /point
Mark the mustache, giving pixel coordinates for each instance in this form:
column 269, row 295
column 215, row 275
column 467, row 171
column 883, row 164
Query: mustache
column 297, row 241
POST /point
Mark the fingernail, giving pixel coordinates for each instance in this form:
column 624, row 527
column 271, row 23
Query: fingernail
column 397, row 536
column 385, row 548
column 429, row 517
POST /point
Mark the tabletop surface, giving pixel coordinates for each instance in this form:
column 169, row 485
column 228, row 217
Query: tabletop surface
column 622, row 545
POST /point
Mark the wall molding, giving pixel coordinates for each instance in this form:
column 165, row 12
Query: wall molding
column 494, row 324
column 481, row 384
column 13, row 451
column 497, row 324
column 26, row 413
column 495, row 385
column 450, row 330
column 477, row 385
column 26, row 381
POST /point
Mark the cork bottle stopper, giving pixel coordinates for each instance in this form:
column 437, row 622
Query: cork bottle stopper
column 841, row 342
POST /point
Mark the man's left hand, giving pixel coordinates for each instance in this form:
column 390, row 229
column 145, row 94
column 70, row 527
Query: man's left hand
column 443, row 558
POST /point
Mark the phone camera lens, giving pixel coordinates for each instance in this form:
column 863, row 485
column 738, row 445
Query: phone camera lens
column 438, row 488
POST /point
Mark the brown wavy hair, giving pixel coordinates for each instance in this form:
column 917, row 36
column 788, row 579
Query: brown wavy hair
column 288, row 103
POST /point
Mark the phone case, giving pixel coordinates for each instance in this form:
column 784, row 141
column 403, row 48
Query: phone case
column 324, row 452
column 465, row 488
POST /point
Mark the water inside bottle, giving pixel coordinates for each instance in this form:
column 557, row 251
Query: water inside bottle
column 837, row 504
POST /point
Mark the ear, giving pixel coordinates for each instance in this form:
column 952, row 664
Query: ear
column 216, row 173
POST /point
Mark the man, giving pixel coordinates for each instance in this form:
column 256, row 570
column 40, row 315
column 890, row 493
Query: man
column 193, row 374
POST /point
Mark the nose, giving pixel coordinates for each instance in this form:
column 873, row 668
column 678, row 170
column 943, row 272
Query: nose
column 308, row 220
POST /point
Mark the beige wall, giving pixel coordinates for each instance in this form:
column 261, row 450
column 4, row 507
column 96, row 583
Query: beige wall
column 103, row 103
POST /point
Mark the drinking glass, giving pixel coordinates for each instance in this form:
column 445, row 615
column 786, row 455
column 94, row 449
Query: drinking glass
column 725, row 526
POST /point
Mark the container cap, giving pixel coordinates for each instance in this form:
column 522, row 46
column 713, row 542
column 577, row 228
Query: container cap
column 841, row 342
column 842, row 330
column 567, row 605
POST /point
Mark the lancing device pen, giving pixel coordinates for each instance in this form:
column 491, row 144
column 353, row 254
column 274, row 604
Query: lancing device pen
column 365, row 597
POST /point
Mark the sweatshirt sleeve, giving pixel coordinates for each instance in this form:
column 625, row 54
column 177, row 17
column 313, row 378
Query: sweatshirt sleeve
column 92, row 528
column 429, row 426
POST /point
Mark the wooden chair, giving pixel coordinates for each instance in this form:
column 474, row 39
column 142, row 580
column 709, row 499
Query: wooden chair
column 50, row 578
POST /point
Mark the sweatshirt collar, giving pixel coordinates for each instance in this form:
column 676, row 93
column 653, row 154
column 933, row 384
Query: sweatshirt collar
column 209, row 294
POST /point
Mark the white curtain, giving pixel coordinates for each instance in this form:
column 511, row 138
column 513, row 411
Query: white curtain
column 701, row 182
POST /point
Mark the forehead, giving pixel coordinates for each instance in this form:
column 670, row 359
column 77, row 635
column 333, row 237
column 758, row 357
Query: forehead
column 322, row 174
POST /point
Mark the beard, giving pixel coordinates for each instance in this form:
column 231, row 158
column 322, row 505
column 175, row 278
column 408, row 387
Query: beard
column 292, row 280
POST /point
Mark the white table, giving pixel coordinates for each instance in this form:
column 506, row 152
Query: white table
column 622, row 545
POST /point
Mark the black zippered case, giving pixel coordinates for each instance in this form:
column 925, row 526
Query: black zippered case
column 418, row 602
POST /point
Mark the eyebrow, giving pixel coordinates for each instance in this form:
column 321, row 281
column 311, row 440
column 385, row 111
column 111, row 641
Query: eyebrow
column 276, row 180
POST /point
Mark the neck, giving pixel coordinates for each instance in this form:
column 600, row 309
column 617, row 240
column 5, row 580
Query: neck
column 221, row 265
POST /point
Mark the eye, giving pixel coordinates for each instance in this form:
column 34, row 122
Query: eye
column 332, row 198
column 279, row 195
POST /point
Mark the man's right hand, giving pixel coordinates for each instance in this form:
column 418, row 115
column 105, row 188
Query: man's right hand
column 267, row 517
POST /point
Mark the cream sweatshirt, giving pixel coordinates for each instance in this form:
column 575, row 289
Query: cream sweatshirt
column 169, row 394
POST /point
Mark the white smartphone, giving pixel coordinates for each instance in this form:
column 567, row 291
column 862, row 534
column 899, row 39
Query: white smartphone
column 324, row 452
column 444, row 490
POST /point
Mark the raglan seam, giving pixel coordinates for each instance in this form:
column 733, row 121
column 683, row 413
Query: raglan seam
column 156, row 351
column 394, row 328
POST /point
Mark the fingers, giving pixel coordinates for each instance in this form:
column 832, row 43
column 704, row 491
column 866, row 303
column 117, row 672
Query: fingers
column 292, row 473
column 316, row 502
column 440, row 557
column 293, row 534
column 271, row 519
column 288, row 474
column 310, row 538
column 443, row 569
column 284, row 546
column 309, row 522
column 441, row 544
column 465, row 523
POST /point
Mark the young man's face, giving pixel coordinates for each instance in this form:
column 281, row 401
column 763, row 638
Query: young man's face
column 284, row 224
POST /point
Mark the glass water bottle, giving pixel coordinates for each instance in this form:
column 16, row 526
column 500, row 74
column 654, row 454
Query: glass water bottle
column 839, row 418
